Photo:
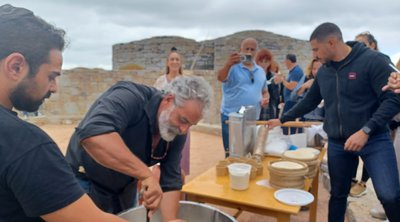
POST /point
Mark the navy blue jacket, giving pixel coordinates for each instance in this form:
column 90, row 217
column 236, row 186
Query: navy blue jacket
column 353, row 94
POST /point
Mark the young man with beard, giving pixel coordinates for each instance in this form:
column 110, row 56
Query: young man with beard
column 357, row 113
column 129, row 128
column 36, row 183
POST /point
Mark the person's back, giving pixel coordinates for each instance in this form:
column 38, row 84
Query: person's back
column 22, row 169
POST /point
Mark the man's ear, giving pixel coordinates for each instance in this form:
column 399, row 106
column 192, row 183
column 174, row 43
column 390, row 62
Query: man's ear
column 332, row 41
column 169, row 98
column 15, row 66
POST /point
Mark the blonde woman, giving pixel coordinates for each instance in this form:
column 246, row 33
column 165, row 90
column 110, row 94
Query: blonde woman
column 318, row 113
column 174, row 69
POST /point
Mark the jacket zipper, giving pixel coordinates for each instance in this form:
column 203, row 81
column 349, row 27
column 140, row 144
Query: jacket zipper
column 338, row 106
column 337, row 94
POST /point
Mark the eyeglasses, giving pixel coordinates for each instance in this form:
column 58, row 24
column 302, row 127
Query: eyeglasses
column 160, row 157
column 252, row 77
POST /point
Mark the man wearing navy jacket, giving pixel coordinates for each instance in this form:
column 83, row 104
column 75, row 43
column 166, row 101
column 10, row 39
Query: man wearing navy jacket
column 357, row 115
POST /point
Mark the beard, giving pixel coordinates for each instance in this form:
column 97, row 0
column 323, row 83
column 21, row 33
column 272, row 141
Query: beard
column 167, row 131
column 22, row 100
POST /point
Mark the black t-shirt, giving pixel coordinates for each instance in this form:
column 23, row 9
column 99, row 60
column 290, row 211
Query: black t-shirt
column 129, row 109
column 35, row 179
column 337, row 65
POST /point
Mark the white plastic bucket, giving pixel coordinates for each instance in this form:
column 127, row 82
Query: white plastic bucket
column 239, row 175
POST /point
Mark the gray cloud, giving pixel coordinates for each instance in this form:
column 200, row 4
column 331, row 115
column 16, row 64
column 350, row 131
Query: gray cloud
column 93, row 26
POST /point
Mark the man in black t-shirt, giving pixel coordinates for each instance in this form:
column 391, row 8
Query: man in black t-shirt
column 36, row 183
column 129, row 128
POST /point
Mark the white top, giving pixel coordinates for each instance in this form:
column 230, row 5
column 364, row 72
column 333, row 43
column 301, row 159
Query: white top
column 161, row 82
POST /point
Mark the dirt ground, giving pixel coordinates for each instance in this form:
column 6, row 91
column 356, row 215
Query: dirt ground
column 206, row 151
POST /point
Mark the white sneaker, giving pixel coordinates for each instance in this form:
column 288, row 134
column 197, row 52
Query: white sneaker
column 378, row 212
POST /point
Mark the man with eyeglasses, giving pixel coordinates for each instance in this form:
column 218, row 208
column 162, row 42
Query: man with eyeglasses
column 129, row 128
column 244, row 83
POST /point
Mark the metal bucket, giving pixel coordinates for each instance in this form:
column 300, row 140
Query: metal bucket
column 242, row 127
column 188, row 211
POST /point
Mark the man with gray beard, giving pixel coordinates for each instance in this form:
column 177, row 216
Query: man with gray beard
column 129, row 128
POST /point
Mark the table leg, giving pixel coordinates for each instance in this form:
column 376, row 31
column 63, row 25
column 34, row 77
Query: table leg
column 314, row 192
column 283, row 217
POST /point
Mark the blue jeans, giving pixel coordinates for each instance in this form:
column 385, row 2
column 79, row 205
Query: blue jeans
column 225, row 133
column 380, row 161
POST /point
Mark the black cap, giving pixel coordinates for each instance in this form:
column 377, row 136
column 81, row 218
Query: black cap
column 9, row 13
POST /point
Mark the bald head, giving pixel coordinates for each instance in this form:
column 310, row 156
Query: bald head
column 247, row 41
column 249, row 47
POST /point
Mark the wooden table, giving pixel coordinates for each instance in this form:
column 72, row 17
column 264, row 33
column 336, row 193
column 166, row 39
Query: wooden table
column 208, row 188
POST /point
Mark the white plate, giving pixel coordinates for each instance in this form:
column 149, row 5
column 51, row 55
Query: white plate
column 294, row 197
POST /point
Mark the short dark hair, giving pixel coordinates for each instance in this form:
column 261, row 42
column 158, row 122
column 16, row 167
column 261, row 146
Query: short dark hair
column 324, row 30
column 291, row 57
column 23, row 32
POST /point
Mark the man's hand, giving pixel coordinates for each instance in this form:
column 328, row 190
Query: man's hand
column 233, row 59
column 273, row 123
column 393, row 83
column 356, row 141
column 278, row 78
column 153, row 194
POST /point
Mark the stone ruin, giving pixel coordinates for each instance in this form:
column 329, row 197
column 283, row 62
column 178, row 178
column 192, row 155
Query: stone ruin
column 143, row 61
column 150, row 54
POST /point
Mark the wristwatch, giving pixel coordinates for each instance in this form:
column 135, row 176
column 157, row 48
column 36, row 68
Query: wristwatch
column 366, row 130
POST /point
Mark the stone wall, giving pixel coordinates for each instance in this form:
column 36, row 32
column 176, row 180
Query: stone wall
column 79, row 88
column 150, row 54
column 143, row 61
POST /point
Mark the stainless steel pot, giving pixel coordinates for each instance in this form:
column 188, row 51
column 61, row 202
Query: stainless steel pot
column 188, row 211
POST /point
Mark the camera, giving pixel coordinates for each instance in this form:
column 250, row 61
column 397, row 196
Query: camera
column 245, row 58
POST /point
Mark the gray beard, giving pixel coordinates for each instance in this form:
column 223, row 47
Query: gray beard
column 167, row 132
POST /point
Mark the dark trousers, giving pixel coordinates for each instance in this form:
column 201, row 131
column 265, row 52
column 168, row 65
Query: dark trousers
column 380, row 161
column 107, row 201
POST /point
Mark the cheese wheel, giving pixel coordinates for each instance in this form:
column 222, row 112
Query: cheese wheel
column 299, row 154
column 289, row 165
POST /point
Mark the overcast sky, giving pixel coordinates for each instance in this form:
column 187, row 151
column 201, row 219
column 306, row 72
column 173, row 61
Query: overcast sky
column 93, row 26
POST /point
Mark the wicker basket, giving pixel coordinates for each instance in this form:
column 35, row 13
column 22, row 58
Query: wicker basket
column 306, row 157
column 287, row 177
